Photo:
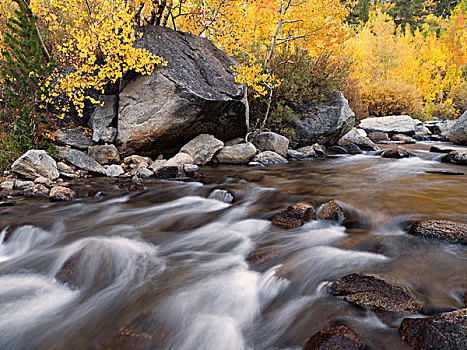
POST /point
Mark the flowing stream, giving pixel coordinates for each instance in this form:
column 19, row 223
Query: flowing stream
column 172, row 261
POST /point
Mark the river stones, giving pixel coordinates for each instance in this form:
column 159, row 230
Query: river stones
column 73, row 137
column 114, row 171
column 179, row 159
column 262, row 254
column 35, row 163
column 294, row 216
column 135, row 159
column 105, row 154
column 378, row 136
column 458, row 132
column 202, row 148
column 370, row 291
column 352, row 148
column 403, row 138
column 396, row 152
column 269, row 157
column 456, row 157
column 169, row 172
column 270, row 141
column 449, row 231
column 84, row 161
column 331, row 211
column 334, row 338
column 36, row 191
column 354, row 137
column 61, row 194
column 237, row 154
column 446, row 331
column 395, row 124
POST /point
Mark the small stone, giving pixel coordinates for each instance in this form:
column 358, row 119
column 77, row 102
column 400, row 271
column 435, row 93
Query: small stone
column 308, row 151
column 7, row 185
column 202, row 148
column 352, row 148
column 137, row 160
column 137, row 187
column 337, row 150
column 396, row 152
column 234, row 142
column 22, row 185
column 44, row 181
column 222, row 195
column 294, row 216
column 331, row 211
column 238, row 154
column 403, row 138
column 35, row 163
column 157, row 164
column 455, row 157
column 179, row 159
column 269, row 157
column 62, row 167
column 169, row 172
column 270, row 141
column 114, row 171
column 69, row 175
column 84, row 162
column 378, row 136
column 36, row 191
column 61, row 194
column 191, row 170
column 334, row 338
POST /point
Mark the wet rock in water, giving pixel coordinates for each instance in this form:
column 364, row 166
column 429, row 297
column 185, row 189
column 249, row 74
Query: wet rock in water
column 234, row 142
column 95, row 194
column 311, row 151
column 61, row 194
column 269, row 157
column 270, row 141
column 102, row 117
column 331, row 211
column 354, row 137
column 396, row 124
column 337, row 150
column 334, row 338
column 179, row 159
column 106, row 154
column 222, row 195
column 396, row 152
column 450, row 231
column 141, row 171
column 256, row 164
column 455, row 157
column 262, row 254
column 43, row 181
column 74, row 138
column 458, row 132
column 114, row 171
column 320, row 150
column 22, row 185
column 169, row 172
column 135, row 159
column 135, row 187
column 443, row 149
column 4, row 203
column 36, row 191
column 370, row 291
column 352, row 148
column 202, row 148
column 36, row 163
column 294, row 216
column 191, row 170
column 157, row 164
column 444, row 172
column 378, row 136
column 403, row 138
column 83, row 161
column 143, row 333
column 446, row 331
column 295, row 154
column 237, row 154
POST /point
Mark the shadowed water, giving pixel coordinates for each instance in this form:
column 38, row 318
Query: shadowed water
column 176, row 254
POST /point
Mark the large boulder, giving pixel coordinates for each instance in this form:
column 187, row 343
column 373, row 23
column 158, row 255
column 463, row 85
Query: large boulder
column 447, row 331
column 353, row 137
column 102, row 117
column 396, row 124
column 36, row 163
column 458, row 132
column 195, row 93
column 237, row 154
column 202, row 148
column 270, row 141
column 83, row 161
column 324, row 123
column 73, row 137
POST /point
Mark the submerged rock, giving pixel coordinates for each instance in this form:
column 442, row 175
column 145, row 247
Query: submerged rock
column 331, row 211
column 446, row 331
column 450, row 231
column 352, row 148
column 396, row 152
column 334, row 338
column 202, row 148
column 196, row 93
column 73, row 137
column 270, row 141
column 222, row 195
column 237, row 154
column 294, row 216
column 370, row 291
column 269, row 157
column 84, row 161
column 36, row 163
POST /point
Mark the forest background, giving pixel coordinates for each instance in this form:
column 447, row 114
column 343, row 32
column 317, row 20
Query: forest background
column 387, row 57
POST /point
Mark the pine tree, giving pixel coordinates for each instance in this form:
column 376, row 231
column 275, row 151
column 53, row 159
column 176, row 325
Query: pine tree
column 22, row 70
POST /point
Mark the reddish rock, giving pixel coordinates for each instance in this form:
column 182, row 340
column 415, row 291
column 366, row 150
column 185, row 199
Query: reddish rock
column 294, row 216
column 331, row 211
column 334, row 338
column 36, row 191
column 61, row 194
column 396, row 152
column 135, row 187
column 262, row 254
column 450, row 231
column 446, row 331
column 370, row 291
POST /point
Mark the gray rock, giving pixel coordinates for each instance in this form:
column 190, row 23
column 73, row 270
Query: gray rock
column 337, row 150
column 35, row 163
column 420, row 128
column 62, row 151
column 378, row 136
column 270, row 141
column 84, row 161
column 234, row 142
column 73, row 137
column 310, row 151
column 134, row 159
column 362, row 132
column 320, row 150
column 141, row 171
column 194, row 94
column 324, row 123
column 353, row 137
column 61, row 194
column 458, row 132
column 44, row 181
column 352, row 148
column 238, row 154
column 159, row 163
column 202, row 148
column 396, row 124
column 106, row 154
column 114, row 171
column 179, row 159
column 222, row 195
column 256, row 164
column 440, row 127
column 102, row 117
column 108, row 135
column 191, row 170
column 455, row 157
column 295, row 154
column 7, row 185
column 334, row 338
column 64, row 168
column 269, row 157
column 22, row 185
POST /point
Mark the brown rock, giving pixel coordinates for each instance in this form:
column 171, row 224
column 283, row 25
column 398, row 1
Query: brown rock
column 135, row 187
column 294, row 216
column 334, row 338
column 61, row 194
column 396, row 152
column 450, row 231
column 36, row 191
column 373, row 292
column 262, row 254
column 378, row 136
column 446, row 331
column 331, row 211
